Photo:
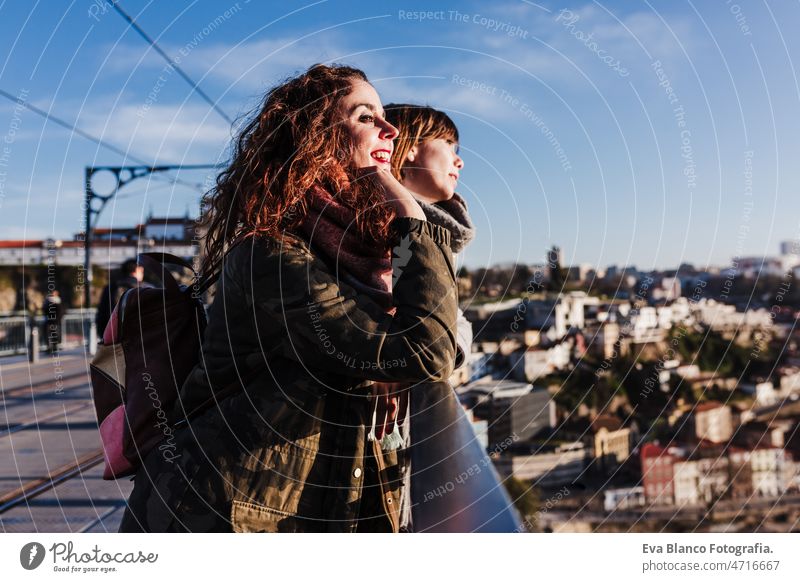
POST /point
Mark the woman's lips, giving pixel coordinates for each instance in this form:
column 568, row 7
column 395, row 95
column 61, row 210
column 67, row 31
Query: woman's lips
column 382, row 156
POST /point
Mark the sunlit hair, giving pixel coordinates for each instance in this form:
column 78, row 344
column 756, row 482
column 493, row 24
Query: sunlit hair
column 416, row 124
column 297, row 140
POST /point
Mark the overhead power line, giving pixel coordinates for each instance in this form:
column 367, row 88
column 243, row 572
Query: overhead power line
column 90, row 137
column 69, row 126
column 171, row 61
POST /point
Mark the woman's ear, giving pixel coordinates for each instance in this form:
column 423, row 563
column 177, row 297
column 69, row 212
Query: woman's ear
column 412, row 154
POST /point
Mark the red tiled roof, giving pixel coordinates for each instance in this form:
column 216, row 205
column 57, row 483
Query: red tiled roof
column 13, row 244
column 607, row 422
column 122, row 231
column 651, row 450
column 707, row 406
column 68, row 244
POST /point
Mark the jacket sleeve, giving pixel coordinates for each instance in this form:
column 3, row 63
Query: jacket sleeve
column 331, row 326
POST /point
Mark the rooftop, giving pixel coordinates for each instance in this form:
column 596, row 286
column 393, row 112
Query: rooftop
column 706, row 406
column 497, row 388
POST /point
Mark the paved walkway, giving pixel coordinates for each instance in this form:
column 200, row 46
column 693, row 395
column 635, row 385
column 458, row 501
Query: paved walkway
column 47, row 424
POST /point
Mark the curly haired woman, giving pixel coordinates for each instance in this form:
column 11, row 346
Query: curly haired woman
column 314, row 320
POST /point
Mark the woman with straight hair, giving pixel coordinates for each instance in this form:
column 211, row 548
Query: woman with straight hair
column 427, row 163
column 441, row 440
column 310, row 315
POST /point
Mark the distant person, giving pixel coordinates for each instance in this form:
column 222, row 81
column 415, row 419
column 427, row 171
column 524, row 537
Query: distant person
column 53, row 312
column 130, row 275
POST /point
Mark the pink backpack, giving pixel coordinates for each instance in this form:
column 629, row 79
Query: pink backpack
column 151, row 343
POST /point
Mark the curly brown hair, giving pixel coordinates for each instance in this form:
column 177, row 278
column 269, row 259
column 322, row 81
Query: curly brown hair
column 416, row 124
column 294, row 142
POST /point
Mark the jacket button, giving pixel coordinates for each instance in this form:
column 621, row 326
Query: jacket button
column 357, row 472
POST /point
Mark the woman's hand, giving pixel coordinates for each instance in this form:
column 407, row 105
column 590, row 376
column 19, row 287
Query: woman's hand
column 395, row 193
column 391, row 407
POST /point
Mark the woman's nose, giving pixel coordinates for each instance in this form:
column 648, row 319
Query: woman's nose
column 458, row 162
column 388, row 131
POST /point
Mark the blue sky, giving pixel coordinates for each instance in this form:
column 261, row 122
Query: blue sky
column 568, row 131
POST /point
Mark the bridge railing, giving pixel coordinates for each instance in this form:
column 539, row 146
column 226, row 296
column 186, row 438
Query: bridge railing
column 15, row 330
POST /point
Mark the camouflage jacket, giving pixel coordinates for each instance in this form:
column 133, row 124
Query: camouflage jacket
column 289, row 452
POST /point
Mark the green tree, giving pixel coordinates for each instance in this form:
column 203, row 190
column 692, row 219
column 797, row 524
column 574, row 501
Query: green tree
column 711, row 352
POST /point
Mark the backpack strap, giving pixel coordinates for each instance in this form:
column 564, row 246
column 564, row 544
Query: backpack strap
column 157, row 263
column 169, row 259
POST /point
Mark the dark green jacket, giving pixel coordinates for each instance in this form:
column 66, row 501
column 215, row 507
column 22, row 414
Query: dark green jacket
column 289, row 452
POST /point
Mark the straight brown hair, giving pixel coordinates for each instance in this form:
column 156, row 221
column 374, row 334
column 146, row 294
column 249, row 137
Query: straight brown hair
column 416, row 124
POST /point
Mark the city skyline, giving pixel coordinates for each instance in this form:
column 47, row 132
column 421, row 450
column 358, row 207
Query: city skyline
column 787, row 254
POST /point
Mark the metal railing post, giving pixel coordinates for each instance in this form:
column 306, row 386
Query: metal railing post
column 92, row 339
column 33, row 346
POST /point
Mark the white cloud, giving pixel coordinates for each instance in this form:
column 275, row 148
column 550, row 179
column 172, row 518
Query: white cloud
column 618, row 34
column 244, row 66
column 168, row 132
column 499, row 60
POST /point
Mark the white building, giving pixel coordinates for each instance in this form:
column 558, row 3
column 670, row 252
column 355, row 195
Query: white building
column 688, row 371
column 751, row 267
column 556, row 467
column 720, row 316
column 605, row 339
column 790, row 383
column 700, row 481
column 680, row 311
column 773, row 471
column 623, row 498
column 534, row 363
column 713, row 422
column 110, row 247
column 665, row 316
column 556, row 316
column 685, row 477
column 668, row 289
column 766, row 395
column 108, row 254
column 644, row 326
